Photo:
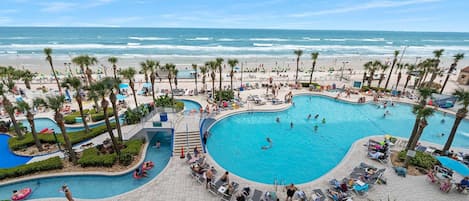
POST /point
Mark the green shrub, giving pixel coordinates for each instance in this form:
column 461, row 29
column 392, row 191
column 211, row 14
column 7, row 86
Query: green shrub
column 132, row 147
column 75, row 137
column 421, row 159
column 366, row 88
column 70, row 119
column 179, row 105
column 163, row 101
column 226, row 95
column 97, row 117
column 92, row 158
column 125, row 159
column 48, row 164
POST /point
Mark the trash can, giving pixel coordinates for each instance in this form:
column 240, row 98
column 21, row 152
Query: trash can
column 163, row 117
column 241, row 89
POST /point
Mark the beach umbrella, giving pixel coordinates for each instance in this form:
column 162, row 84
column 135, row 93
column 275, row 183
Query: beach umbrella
column 120, row 97
column 123, row 85
column 454, row 165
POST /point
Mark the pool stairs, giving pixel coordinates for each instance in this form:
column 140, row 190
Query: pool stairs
column 188, row 140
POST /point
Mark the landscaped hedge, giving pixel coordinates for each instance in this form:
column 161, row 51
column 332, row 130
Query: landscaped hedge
column 70, row 119
column 306, row 84
column 95, row 116
column 92, row 158
column 421, row 159
column 366, row 88
column 75, row 137
column 48, row 164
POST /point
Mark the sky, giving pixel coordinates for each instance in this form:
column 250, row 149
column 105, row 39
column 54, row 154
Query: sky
column 391, row 15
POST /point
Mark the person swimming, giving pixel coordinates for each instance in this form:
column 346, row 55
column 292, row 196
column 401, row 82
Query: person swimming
column 442, row 121
column 270, row 144
column 291, row 124
column 323, row 120
column 316, row 116
column 309, row 117
column 316, row 128
column 277, row 119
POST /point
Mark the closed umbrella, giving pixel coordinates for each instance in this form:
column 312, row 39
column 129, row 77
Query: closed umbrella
column 454, row 165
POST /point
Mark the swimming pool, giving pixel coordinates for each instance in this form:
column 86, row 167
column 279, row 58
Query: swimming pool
column 42, row 123
column 94, row 186
column 190, row 105
column 9, row 159
column 299, row 154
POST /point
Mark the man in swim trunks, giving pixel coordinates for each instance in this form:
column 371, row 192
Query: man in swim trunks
column 209, row 177
column 291, row 189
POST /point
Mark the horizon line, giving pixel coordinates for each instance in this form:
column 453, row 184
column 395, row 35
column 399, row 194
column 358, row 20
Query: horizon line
column 230, row 28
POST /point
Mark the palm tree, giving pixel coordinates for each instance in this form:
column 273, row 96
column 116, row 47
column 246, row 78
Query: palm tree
column 394, row 61
column 424, row 94
column 399, row 68
column 298, row 54
column 457, row 57
column 383, row 67
column 24, row 107
column 371, row 67
column 10, row 108
column 463, row 98
column 232, row 63
column 204, row 70
column 219, row 62
column 144, row 67
column 56, row 103
column 112, row 97
column 48, row 52
column 81, row 61
column 27, row 76
column 421, row 113
column 194, row 67
column 314, row 57
column 213, row 67
column 169, row 67
column 103, row 89
column 129, row 74
column 113, row 61
column 175, row 73
column 154, row 65
column 75, row 83
column 89, row 72
column 410, row 69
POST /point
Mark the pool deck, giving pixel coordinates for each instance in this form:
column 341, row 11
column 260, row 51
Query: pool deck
column 175, row 182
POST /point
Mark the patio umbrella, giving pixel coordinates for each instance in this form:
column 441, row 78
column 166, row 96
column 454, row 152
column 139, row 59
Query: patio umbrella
column 120, row 97
column 454, row 165
column 123, row 85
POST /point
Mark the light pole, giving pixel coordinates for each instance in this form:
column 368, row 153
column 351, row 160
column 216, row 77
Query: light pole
column 342, row 70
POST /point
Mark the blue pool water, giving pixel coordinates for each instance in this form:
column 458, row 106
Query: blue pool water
column 89, row 187
column 300, row 155
column 42, row 123
column 7, row 158
column 186, row 74
column 190, row 105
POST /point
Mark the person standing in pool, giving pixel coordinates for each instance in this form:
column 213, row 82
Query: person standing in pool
column 291, row 124
column 323, row 120
column 68, row 193
column 316, row 128
column 309, row 117
column 277, row 119
column 316, row 116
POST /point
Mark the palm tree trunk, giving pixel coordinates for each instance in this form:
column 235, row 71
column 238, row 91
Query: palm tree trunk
column 364, row 78
column 414, row 143
column 406, row 82
column 389, row 77
column 231, row 80
column 104, row 104
column 114, row 68
column 297, row 69
column 82, row 114
column 412, row 135
column 171, row 88
column 196, row 89
column 399, row 76
column 27, row 83
column 116, row 115
column 448, row 143
column 219, row 88
column 59, row 119
column 133, row 92
column 444, row 84
column 30, row 118
column 55, row 76
column 312, row 71
column 146, row 77
column 152, row 80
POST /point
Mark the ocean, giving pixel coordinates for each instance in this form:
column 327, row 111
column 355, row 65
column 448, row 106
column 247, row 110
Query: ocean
column 192, row 42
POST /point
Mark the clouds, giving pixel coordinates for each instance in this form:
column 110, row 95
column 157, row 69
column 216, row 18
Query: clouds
column 363, row 6
column 62, row 6
column 57, row 6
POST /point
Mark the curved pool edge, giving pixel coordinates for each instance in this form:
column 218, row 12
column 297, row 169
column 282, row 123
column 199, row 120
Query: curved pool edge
column 81, row 173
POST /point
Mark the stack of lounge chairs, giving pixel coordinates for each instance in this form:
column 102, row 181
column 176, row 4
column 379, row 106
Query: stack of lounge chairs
column 378, row 151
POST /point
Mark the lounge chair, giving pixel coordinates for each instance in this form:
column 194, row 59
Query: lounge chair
column 213, row 187
column 257, row 195
column 361, row 188
column 336, row 195
column 226, row 196
column 421, row 148
column 317, row 195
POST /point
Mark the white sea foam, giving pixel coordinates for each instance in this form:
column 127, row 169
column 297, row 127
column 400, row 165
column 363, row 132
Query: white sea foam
column 465, row 134
column 356, row 39
column 227, row 39
column 133, row 44
column 15, row 38
column 200, row 38
column 148, row 38
column 268, row 39
column 262, row 44
column 335, row 39
column 311, row 39
column 389, row 42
